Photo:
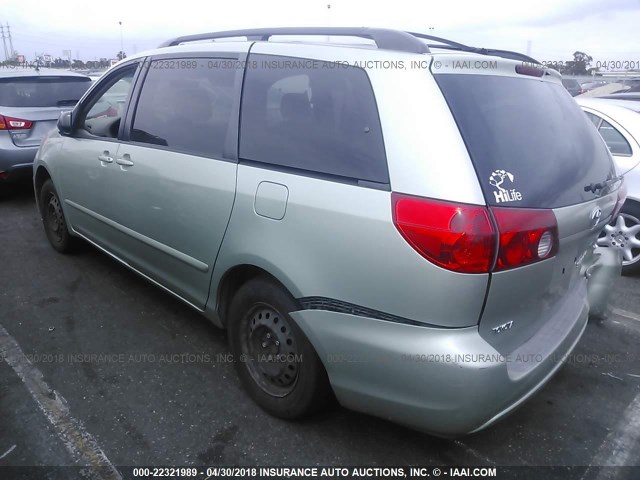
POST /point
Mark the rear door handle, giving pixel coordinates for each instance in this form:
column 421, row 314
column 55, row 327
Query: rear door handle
column 105, row 158
column 125, row 161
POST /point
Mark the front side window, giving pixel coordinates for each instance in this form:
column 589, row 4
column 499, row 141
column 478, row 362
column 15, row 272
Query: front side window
column 185, row 105
column 313, row 116
column 104, row 113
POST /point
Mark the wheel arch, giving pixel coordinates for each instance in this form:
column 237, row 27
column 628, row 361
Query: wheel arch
column 233, row 279
column 41, row 176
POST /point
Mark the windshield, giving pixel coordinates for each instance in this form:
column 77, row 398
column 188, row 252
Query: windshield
column 530, row 143
column 42, row 91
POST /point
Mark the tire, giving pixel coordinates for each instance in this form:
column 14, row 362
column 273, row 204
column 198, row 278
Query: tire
column 296, row 383
column 623, row 233
column 53, row 221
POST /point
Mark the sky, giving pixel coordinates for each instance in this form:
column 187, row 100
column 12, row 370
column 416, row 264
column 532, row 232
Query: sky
column 549, row 30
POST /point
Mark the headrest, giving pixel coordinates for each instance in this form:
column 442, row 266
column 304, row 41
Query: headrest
column 295, row 106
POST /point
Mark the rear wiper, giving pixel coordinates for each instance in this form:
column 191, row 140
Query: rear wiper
column 62, row 103
column 596, row 187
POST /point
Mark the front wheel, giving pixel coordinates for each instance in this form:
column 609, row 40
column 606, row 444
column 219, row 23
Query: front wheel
column 53, row 220
column 623, row 233
column 276, row 363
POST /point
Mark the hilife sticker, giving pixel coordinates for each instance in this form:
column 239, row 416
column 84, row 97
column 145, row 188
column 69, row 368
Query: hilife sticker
column 503, row 195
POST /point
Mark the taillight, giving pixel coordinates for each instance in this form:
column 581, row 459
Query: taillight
column 11, row 123
column 462, row 237
column 526, row 236
column 455, row 236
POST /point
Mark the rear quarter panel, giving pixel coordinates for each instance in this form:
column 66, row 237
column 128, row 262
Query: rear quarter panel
column 338, row 241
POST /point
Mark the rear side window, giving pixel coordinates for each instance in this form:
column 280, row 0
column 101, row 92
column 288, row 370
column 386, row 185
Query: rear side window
column 594, row 119
column 42, row 91
column 616, row 142
column 531, row 145
column 185, row 104
column 312, row 115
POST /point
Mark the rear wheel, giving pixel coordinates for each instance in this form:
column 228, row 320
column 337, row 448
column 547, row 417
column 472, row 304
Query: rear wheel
column 623, row 233
column 276, row 363
column 53, row 219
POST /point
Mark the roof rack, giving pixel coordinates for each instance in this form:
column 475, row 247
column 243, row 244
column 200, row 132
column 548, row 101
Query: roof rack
column 451, row 45
column 383, row 38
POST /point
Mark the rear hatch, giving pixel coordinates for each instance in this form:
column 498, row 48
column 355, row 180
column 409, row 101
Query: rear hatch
column 30, row 104
column 538, row 160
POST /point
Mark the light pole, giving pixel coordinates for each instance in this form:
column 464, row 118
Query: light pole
column 121, row 42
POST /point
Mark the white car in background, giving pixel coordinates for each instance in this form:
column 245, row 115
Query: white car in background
column 618, row 121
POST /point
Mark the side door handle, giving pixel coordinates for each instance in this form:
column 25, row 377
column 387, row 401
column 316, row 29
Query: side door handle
column 125, row 161
column 105, row 158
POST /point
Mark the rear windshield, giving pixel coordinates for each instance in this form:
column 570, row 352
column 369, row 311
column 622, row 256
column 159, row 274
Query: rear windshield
column 530, row 143
column 50, row 91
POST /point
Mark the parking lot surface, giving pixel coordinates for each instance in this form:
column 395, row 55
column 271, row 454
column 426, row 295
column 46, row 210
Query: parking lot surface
column 145, row 379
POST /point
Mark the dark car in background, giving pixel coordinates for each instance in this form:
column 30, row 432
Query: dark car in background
column 588, row 86
column 573, row 86
column 30, row 102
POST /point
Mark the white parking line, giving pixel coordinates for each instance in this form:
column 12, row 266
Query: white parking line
column 616, row 449
column 626, row 314
column 7, row 452
column 78, row 441
column 474, row 453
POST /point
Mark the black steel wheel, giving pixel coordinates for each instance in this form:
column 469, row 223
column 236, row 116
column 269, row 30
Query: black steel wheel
column 268, row 338
column 53, row 219
column 276, row 363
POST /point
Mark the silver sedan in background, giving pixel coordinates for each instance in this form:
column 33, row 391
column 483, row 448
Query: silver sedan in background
column 30, row 103
column 618, row 121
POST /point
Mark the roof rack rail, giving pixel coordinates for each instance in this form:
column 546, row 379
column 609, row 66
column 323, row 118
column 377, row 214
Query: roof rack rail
column 383, row 38
column 451, row 45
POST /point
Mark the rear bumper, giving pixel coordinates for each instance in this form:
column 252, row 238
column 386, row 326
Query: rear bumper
column 447, row 382
column 601, row 272
column 15, row 161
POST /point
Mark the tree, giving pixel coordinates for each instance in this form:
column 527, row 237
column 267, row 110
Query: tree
column 60, row 63
column 121, row 55
column 580, row 65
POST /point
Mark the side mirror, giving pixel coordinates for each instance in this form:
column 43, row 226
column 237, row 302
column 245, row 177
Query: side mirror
column 65, row 124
